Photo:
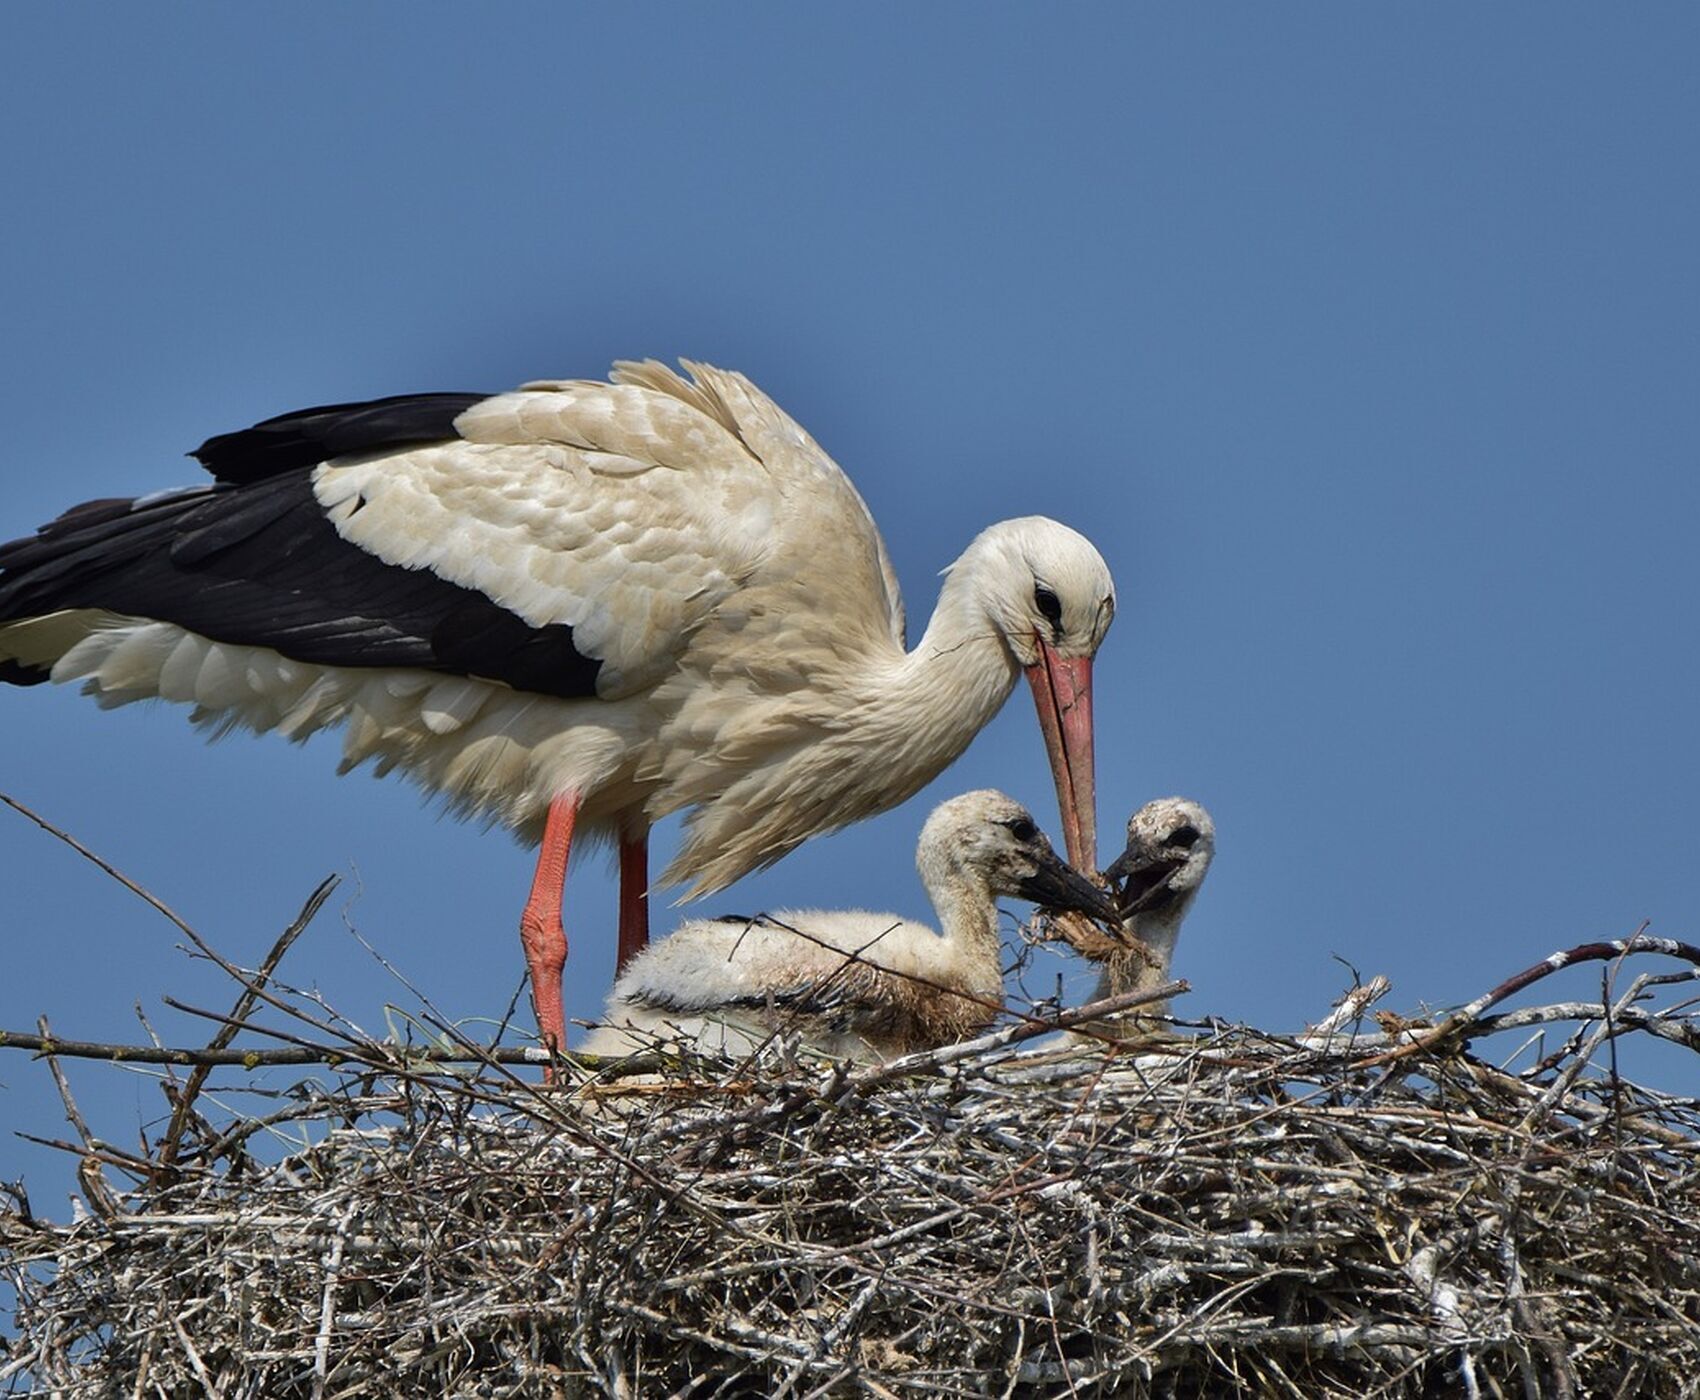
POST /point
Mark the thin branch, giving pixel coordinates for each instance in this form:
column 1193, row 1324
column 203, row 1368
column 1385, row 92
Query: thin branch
column 72, row 1112
column 931, row 1061
column 1569, row 957
column 377, row 1054
column 381, row 1055
column 185, row 1097
column 153, row 901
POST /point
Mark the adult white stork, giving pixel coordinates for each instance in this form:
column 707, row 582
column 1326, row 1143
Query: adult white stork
column 573, row 608
column 848, row 982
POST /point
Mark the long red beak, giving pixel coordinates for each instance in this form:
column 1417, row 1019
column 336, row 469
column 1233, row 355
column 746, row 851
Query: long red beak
column 1062, row 691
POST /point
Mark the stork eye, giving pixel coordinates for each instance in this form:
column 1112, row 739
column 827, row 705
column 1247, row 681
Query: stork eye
column 1022, row 828
column 1048, row 604
column 1184, row 836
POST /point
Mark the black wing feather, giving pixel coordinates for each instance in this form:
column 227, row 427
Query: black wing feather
column 260, row 565
column 313, row 435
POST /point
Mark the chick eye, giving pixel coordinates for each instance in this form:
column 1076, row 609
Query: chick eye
column 1048, row 604
column 1185, row 837
column 1022, row 828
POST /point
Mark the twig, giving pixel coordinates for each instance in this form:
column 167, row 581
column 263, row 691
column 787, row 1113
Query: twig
column 327, row 1301
column 379, row 1055
column 72, row 1112
column 1348, row 1009
column 207, row 1386
column 185, row 1097
column 1569, row 957
column 105, row 866
column 931, row 1061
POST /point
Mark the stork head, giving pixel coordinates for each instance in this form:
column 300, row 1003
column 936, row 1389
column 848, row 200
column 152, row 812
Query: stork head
column 992, row 842
column 1049, row 594
column 1170, row 843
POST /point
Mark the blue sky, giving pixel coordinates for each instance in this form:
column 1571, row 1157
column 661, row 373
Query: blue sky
column 1361, row 339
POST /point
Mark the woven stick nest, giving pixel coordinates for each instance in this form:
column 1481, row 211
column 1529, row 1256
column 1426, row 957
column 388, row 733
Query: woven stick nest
column 1335, row 1214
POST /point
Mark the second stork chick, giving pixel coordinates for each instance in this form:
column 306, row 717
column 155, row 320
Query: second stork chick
column 1170, row 843
column 850, row 983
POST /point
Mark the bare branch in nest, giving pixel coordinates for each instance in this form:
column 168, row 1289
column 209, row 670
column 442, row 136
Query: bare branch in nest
column 381, row 1056
column 1556, row 962
column 1349, row 1009
column 376, row 1055
column 251, row 992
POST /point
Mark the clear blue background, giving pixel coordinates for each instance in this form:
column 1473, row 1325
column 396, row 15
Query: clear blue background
column 1362, row 339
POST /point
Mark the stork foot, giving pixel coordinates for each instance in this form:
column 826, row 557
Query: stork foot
column 545, row 944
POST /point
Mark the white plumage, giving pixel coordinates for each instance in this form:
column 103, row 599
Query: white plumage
column 573, row 608
column 851, row 983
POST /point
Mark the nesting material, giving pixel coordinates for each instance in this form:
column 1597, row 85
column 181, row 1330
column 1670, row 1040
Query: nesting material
column 1233, row 1211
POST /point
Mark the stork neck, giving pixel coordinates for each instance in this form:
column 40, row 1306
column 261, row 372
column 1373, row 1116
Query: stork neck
column 941, row 694
column 1150, row 965
column 968, row 919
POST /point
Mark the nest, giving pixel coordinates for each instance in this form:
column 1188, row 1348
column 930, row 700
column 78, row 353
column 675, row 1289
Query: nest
column 1227, row 1210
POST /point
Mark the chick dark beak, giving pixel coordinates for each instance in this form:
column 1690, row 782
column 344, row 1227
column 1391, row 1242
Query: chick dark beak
column 1143, row 875
column 1055, row 885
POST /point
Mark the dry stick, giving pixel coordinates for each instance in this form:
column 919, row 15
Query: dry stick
column 169, row 1082
column 1678, row 1032
column 930, row 1061
column 154, row 902
column 244, row 1007
column 1348, row 1009
column 277, row 1003
column 391, row 1058
column 220, row 1019
column 71, row 1110
column 1585, row 952
column 195, row 1360
column 1558, row 1091
column 95, row 1190
column 327, row 1302
column 394, row 1057
column 105, row 1152
column 109, row 869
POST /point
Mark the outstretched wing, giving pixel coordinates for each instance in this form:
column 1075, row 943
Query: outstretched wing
column 570, row 538
column 262, row 565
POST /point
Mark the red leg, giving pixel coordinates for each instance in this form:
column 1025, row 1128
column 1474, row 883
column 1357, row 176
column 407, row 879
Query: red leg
column 540, row 928
column 634, row 897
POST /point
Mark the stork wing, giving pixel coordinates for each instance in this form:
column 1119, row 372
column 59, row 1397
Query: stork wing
column 570, row 538
column 261, row 566
column 633, row 512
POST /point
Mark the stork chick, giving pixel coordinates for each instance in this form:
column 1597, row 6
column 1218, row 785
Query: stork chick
column 1170, row 843
column 854, row 984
